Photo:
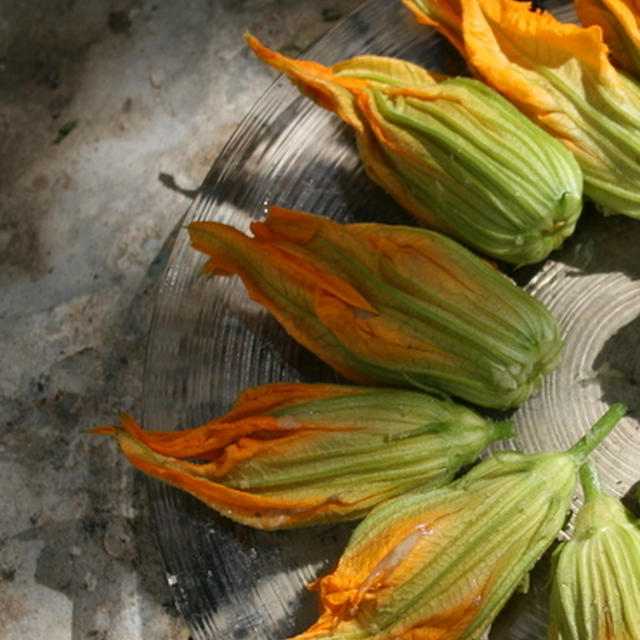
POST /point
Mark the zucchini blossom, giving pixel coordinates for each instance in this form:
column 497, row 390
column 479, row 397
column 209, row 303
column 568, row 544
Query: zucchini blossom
column 388, row 304
column 293, row 454
column 442, row 564
column 452, row 151
column 558, row 74
column 595, row 593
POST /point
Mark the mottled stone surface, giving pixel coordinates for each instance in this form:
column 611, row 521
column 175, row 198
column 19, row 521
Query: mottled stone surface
column 111, row 112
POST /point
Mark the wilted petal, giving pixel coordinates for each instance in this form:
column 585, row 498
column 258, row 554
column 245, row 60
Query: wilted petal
column 620, row 24
column 320, row 453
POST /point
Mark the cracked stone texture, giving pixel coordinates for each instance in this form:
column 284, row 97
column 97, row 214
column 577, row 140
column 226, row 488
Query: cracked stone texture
column 111, row 113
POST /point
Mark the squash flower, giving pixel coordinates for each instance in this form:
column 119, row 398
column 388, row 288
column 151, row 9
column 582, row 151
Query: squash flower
column 292, row 454
column 559, row 75
column 388, row 304
column 620, row 24
column 441, row 564
column 451, row 151
column 595, row 593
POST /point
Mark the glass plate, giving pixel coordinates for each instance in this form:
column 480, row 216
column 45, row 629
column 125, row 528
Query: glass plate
column 208, row 341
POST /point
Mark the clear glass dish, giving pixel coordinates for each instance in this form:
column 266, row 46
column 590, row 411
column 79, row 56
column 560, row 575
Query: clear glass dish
column 208, row 341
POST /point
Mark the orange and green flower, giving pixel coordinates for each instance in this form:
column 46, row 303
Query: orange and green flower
column 620, row 24
column 293, row 454
column 560, row 75
column 389, row 304
column 595, row 592
column 452, row 151
column 441, row 564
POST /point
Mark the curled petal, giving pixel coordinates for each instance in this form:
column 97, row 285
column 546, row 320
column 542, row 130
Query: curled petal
column 620, row 24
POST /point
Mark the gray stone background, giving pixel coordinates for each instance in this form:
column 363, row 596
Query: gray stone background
column 111, row 113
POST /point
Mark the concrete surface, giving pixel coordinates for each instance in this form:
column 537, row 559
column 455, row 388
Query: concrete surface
column 111, row 112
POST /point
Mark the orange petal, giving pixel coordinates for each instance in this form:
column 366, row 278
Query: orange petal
column 273, row 260
column 378, row 339
column 367, row 577
column 620, row 24
column 334, row 87
column 259, row 511
column 377, row 567
column 267, row 398
column 281, row 276
column 448, row 624
column 316, row 81
column 422, row 259
column 207, row 442
column 299, row 227
column 290, row 230
column 443, row 15
column 507, row 43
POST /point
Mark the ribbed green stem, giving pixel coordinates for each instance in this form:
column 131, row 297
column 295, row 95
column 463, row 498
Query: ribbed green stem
column 590, row 481
column 503, row 429
column 598, row 432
